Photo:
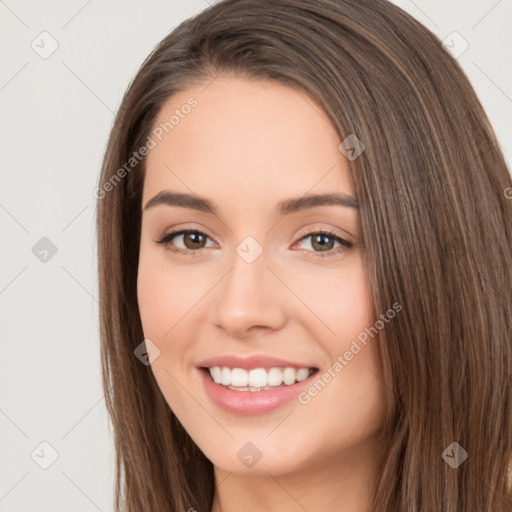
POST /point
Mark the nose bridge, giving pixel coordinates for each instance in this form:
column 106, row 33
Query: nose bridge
column 246, row 297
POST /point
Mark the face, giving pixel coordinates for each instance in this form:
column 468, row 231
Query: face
column 257, row 312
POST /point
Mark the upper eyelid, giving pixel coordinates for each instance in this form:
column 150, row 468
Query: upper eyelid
column 184, row 231
column 329, row 231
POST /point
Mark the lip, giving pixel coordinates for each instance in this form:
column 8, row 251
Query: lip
column 250, row 362
column 250, row 403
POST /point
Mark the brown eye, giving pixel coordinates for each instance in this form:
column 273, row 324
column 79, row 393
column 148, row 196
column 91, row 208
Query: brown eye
column 322, row 242
column 194, row 240
column 184, row 240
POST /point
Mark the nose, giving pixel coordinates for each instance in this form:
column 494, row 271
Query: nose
column 249, row 299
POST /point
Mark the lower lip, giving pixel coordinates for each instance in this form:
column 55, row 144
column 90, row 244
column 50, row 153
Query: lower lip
column 251, row 402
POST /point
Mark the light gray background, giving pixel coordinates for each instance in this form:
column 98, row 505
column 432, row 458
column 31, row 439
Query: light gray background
column 56, row 116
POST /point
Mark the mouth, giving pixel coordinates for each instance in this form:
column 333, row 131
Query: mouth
column 257, row 379
column 261, row 386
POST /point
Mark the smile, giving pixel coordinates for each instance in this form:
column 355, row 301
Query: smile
column 253, row 385
column 257, row 379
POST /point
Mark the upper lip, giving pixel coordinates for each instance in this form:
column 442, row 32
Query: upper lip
column 250, row 362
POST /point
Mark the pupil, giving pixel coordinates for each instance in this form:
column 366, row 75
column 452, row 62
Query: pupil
column 319, row 242
column 195, row 238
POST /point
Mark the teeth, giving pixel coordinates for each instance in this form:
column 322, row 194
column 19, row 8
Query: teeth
column 257, row 378
column 274, row 377
column 289, row 376
column 216, row 374
column 225, row 378
column 302, row 374
column 239, row 377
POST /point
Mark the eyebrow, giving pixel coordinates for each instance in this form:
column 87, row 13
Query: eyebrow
column 285, row 207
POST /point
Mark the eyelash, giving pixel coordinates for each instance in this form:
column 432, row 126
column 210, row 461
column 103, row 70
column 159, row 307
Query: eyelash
column 345, row 244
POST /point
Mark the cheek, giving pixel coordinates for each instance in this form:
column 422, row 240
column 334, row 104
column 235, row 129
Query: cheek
column 339, row 301
column 165, row 293
column 164, row 300
column 343, row 325
column 158, row 298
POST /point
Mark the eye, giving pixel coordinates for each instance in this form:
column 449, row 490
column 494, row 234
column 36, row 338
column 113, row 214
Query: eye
column 322, row 243
column 191, row 240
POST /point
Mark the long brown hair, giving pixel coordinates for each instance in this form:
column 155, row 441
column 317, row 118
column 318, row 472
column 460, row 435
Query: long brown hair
column 436, row 224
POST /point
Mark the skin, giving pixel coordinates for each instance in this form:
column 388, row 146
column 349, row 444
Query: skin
column 246, row 146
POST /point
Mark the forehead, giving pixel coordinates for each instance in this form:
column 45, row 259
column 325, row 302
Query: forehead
column 250, row 141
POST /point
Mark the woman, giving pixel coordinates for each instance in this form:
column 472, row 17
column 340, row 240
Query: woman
column 304, row 244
